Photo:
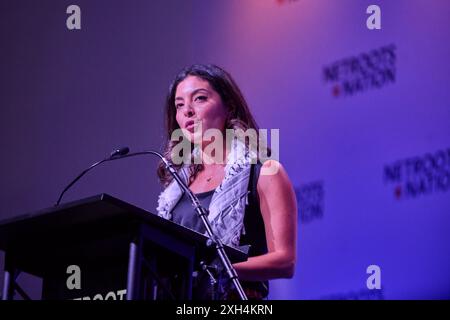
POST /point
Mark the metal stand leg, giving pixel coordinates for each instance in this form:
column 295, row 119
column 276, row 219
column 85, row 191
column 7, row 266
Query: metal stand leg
column 187, row 283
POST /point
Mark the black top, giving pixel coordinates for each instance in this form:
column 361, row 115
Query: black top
column 184, row 214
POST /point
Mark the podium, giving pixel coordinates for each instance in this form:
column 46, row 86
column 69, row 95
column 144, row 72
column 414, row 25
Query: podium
column 102, row 248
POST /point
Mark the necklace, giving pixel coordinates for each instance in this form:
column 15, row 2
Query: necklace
column 212, row 175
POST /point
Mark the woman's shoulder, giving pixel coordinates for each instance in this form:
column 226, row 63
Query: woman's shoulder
column 271, row 167
column 273, row 174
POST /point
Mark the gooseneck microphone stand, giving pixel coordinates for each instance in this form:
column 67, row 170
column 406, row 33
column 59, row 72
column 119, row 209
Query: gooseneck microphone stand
column 201, row 211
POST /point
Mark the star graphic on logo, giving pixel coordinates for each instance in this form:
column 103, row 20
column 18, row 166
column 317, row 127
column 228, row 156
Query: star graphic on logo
column 398, row 192
column 336, row 90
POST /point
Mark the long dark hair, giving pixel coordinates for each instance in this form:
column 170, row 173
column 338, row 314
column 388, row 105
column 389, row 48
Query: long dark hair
column 239, row 115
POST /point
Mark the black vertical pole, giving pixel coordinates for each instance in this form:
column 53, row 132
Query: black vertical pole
column 134, row 270
column 8, row 279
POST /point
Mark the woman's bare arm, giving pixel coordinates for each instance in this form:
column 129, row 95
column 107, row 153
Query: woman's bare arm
column 279, row 211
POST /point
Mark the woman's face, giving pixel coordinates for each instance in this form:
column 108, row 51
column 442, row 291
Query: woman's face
column 197, row 102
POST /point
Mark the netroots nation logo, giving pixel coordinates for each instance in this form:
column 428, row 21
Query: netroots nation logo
column 356, row 74
column 420, row 175
column 310, row 199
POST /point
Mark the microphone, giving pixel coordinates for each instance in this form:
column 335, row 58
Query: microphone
column 115, row 154
column 120, row 152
